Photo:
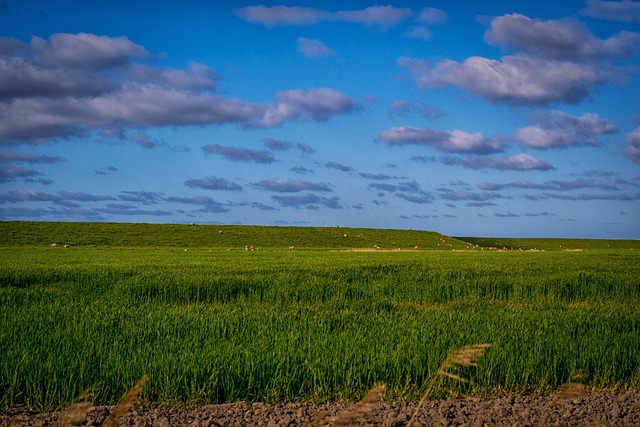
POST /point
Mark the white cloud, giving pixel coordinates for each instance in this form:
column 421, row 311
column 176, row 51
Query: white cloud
column 518, row 162
column 282, row 15
column 455, row 141
column 622, row 11
column 432, row 15
column 84, row 50
column 557, row 39
column 513, row 80
column 108, row 93
column 633, row 145
column 559, row 129
column 318, row 104
column 382, row 16
column 313, row 48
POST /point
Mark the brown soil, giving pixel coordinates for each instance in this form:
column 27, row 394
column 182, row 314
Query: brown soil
column 583, row 410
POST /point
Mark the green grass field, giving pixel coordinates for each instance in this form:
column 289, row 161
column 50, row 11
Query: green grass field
column 210, row 322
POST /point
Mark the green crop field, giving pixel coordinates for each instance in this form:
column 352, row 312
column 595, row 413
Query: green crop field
column 208, row 321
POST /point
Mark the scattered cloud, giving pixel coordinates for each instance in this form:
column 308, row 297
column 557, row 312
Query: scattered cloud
column 62, row 197
column 307, row 149
column 384, row 17
column 213, row 183
column 318, row 105
column 130, row 210
column 455, row 141
column 300, row 170
column 142, row 197
column 410, row 191
column 589, row 197
column 621, row 11
column 517, row 162
column 312, row 48
column 557, row 39
column 77, row 84
column 338, row 166
column 280, row 186
column 14, row 156
column 84, row 50
column 105, row 171
column 432, row 15
column 277, row 145
column 12, row 173
column 207, row 204
column 308, row 201
column 506, row 215
column 633, row 145
column 239, row 154
column 512, row 80
column 401, row 108
column 427, row 16
column 448, row 194
column 553, row 185
column 376, row 176
column 559, row 129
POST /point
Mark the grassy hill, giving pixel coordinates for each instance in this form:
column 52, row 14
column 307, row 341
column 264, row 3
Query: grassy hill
column 219, row 236
column 92, row 234
column 550, row 244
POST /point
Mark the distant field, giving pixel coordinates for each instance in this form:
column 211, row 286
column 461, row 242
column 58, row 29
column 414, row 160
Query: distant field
column 208, row 321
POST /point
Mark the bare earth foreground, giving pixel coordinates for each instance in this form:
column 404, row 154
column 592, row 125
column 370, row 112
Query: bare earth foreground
column 584, row 410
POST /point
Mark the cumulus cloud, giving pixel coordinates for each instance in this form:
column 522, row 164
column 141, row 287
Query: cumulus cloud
column 559, row 129
column 512, row 80
column 448, row 194
column 517, row 162
column 282, row 15
column 427, row 16
column 318, row 104
column 621, row 11
column 376, row 176
column 410, row 191
column 130, row 210
column 277, row 185
column 207, row 204
column 77, row 84
column 213, row 183
column 31, row 195
column 279, row 145
column 84, row 50
column 431, row 15
column 455, row 141
column 400, row 108
column 10, row 173
column 557, row 39
column 239, row 154
column 300, row 170
column 312, row 48
column 553, row 185
column 308, row 201
column 338, row 166
column 15, row 156
column 589, row 197
column 384, row 17
column 633, row 145
column 142, row 197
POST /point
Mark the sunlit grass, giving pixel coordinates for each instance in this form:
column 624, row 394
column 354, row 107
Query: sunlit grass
column 212, row 325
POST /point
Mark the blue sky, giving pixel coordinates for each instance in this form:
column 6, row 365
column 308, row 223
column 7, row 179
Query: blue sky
column 492, row 118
